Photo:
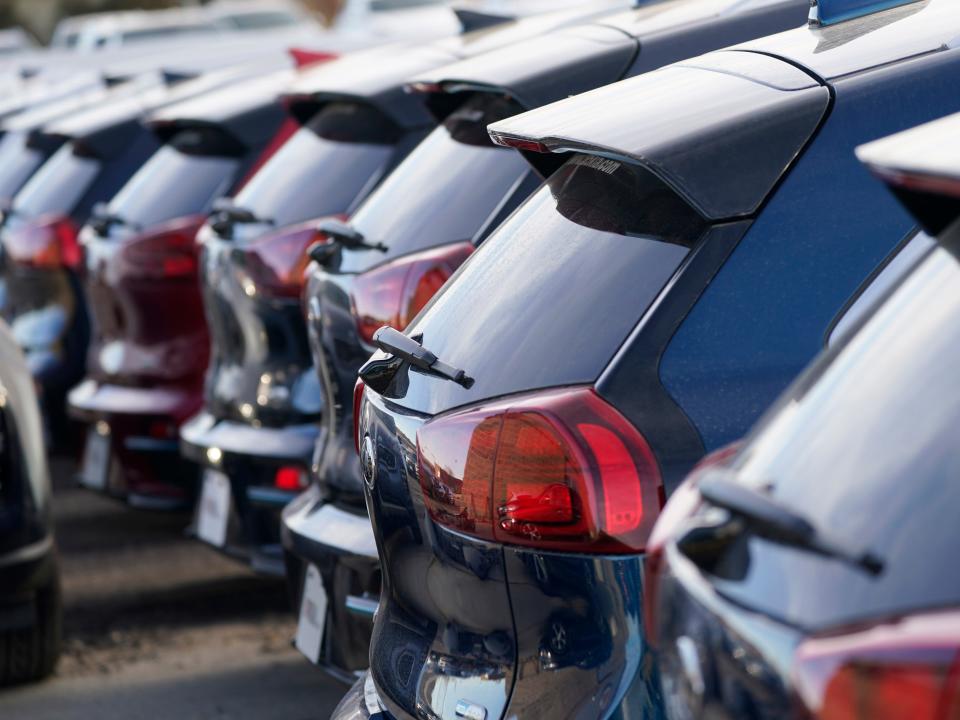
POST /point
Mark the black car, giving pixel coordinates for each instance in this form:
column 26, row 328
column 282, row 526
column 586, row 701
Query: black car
column 428, row 217
column 30, row 615
column 150, row 346
column 703, row 227
column 41, row 297
column 257, row 431
column 807, row 573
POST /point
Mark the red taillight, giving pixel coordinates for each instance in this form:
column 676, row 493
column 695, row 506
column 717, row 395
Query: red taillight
column 276, row 263
column 168, row 251
column 49, row 241
column 394, row 293
column 904, row 670
column 290, row 478
column 358, row 389
column 557, row 470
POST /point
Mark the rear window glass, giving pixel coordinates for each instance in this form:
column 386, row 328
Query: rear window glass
column 868, row 452
column 566, row 278
column 447, row 190
column 17, row 163
column 324, row 167
column 173, row 184
column 58, row 185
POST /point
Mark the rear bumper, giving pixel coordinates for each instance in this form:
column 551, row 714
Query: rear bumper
column 250, row 456
column 341, row 545
column 146, row 467
column 361, row 703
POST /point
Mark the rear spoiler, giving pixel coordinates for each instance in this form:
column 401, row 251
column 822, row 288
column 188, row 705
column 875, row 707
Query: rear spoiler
column 921, row 167
column 471, row 20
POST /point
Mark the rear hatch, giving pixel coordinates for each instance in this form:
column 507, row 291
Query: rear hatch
column 261, row 366
column 141, row 262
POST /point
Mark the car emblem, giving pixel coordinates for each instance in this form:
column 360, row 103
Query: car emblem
column 368, row 462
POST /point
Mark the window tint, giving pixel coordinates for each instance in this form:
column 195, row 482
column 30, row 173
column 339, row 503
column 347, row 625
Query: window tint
column 447, row 190
column 883, row 281
column 553, row 293
column 17, row 163
column 171, row 185
column 867, row 449
column 323, row 168
column 58, row 185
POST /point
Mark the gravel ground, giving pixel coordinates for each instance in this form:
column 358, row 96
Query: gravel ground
column 158, row 626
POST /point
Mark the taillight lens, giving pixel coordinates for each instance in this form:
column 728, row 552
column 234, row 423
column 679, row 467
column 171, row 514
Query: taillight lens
column 290, row 478
column 358, row 389
column 557, row 470
column 49, row 241
column 905, row 670
column 276, row 263
column 394, row 293
column 168, row 251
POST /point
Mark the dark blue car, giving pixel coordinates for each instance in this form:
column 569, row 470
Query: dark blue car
column 810, row 574
column 702, row 230
column 439, row 204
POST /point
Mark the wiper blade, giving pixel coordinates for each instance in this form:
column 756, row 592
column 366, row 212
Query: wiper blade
column 399, row 345
column 341, row 235
column 102, row 220
column 769, row 519
column 225, row 214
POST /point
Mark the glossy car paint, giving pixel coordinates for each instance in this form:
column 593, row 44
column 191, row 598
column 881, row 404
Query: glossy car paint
column 730, row 623
column 29, row 583
column 262, row 380
column 150, row 346
column 443, row 174
column 444, row 593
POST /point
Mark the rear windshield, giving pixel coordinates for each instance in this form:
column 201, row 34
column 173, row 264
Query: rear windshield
column 58, row 185
column 174, row 184
column 566, row 278
column 17, row 162
column 451, row 188
column 322, row 169
column 869, row 452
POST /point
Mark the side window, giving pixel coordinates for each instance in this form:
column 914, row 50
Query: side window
column 903, row 258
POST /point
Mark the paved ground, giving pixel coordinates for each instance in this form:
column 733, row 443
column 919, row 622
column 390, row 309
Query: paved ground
column 157, row 626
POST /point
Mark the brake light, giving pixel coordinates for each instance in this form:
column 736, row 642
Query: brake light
column 290, row 478
column 556, row 470
column 49, row 241
column 394, row 293
column 907, row 669
column 276, row 263
column 358, row 389
column 168, row 251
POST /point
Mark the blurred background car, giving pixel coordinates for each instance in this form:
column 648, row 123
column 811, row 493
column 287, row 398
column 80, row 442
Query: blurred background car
column 518, row 441
column 256, row 434
column 150, row 345
column 30, row 614
column 805, row 572
column 425, row 220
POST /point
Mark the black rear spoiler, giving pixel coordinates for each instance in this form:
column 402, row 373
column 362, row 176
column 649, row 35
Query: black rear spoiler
column 921, row 167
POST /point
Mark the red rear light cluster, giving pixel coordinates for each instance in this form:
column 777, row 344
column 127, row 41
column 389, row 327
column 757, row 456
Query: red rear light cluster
column 290, row 478
column 168, row 251
column 49, row 241
column 358, row 389
column 277, row 262
column 558, row 470
column 394, row 293
column 909, row 669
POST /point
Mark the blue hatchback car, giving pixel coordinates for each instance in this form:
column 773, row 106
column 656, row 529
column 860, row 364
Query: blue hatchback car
column 702, row 230
column 808, row 573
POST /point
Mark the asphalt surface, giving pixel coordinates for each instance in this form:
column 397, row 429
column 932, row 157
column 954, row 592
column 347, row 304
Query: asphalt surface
column 158, row 626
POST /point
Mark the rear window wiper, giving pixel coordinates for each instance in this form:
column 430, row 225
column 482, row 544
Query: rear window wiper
column 341, row 236
column 102, row 220
column 406, row 348
column 225, row 214
column 766, row 518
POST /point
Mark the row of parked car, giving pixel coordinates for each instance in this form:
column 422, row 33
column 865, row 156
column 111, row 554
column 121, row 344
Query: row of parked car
column 588, row 250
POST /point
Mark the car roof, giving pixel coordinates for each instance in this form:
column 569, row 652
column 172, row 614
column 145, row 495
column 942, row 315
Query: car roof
column 869, row 41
